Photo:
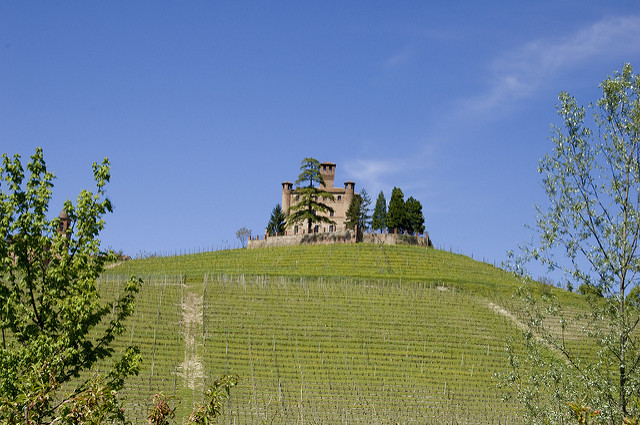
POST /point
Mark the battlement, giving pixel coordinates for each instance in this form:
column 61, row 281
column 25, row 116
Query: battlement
column 328, row 172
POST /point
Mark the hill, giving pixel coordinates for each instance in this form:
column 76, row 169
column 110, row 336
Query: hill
column 326, row 334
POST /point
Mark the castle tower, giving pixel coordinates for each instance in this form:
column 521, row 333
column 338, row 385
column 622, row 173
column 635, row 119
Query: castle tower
column 328, row 172
column 65, row 222
column 287, row 188
column 349, row 190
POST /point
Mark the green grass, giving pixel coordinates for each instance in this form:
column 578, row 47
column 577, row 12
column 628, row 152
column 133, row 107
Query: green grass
column 326, row 334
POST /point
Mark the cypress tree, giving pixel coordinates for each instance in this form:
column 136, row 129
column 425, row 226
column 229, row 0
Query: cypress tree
column 415, row 218
column 379, row 213
column 396, row 216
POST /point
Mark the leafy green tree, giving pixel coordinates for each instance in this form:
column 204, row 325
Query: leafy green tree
column 590, row 231
column 54, row 324
column 397, row 214
column 309, row 208
column 276, row 225
column 378, row 220
column 414, row 217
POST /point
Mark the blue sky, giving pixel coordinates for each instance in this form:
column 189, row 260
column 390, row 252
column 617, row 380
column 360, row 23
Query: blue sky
column 204, row 108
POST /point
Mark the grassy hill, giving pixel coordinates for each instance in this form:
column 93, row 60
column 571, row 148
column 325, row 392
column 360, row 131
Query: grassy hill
column 328, row 334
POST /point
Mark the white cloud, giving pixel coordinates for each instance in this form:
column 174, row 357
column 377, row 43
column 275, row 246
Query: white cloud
column 521, row 72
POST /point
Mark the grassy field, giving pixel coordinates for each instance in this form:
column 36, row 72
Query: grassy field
column 326, row 334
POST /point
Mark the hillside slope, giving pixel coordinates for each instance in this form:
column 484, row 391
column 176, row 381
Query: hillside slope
column 362, row 261
column 326, row 334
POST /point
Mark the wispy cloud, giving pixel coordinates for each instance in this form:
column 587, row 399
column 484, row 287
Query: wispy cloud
column 373, row 173
column 521, row 72
column 409, row 173
column 401, row 57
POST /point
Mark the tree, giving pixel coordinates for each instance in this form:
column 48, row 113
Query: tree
column 358, row 214
column 396, row 216
column 353, row 213
column 54, row 324
column 365, row 216
column 414, row 216
column 378, row 221
column 276, row 225
column 309, row 208
column 591, row 232
column 243, row 234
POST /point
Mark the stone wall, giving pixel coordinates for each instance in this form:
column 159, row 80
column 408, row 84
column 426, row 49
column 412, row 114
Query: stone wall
column 339, row 237
column 311, row 238
column 395, row 239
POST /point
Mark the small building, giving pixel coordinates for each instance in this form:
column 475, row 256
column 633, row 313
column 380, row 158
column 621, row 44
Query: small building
column 340, row 204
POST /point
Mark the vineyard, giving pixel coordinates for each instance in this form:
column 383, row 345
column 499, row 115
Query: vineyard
column 325, row 335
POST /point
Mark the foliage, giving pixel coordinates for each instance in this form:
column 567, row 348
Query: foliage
column 310, row 173
column 203, row 413
column 365, row 216
column 95, row 405
column 276, row 225
column 309, row 208
column 592, row 180
column 583, row 413
column 243, row 234
column 353, row 213
column 161, row 411
column 414, row 216
column 378, row 220
column 54, row 326
column 397, row 215
column 404, row 216
column 358, row 214
column 588, row 289
column 215, row 395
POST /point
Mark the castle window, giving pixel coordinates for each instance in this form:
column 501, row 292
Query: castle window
column 331, row 228
column 295, row 230
column 331, row 214
column 339, row 197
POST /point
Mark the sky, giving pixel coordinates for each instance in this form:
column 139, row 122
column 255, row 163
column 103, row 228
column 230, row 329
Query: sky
column 205, row 107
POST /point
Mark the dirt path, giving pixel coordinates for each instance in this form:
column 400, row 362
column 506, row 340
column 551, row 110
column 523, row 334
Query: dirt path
column 501, row 310
column 192, row 369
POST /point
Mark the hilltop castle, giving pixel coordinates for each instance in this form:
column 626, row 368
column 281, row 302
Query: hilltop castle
column 324, row 233
column 340, row 204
